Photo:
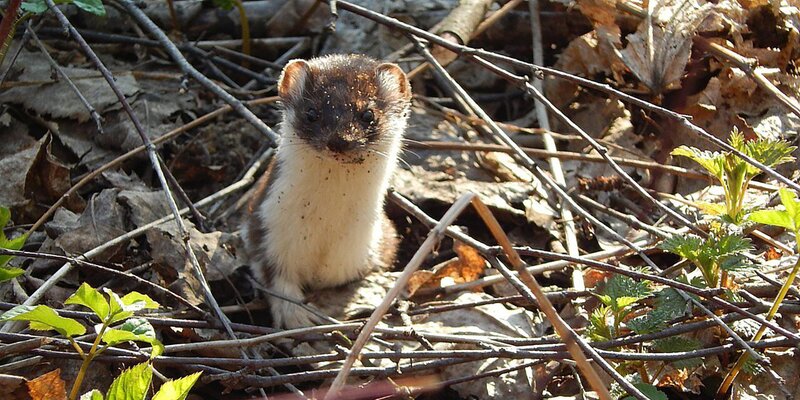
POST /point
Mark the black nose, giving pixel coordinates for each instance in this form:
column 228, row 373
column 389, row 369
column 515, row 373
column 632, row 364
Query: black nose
column 339, row 144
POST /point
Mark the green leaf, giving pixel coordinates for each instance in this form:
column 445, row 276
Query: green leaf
column 624, row 291
column 177, row 389
column 751, row 367
column 91, row 6
column 773, row 217
column 729, row 245
column 131, row 384
column 93, row 395
column 10, row 273
column 710, row 161
column 789, row 201
column 117, row 311
column 686, row 246
column 5, row 243
column 34, row 6
column 676, row 344
column 600, row 324
column 668, row 306
column 5, row 216
column 135, row 301
column 134, row 329
column 650, row 391
column 89, row 297
column 43, row 318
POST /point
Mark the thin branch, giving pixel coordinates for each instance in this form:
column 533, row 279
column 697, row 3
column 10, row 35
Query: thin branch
column 184, row 65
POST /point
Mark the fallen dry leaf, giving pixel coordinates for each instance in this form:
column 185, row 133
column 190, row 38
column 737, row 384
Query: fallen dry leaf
column 467, row 267
column 49, row 386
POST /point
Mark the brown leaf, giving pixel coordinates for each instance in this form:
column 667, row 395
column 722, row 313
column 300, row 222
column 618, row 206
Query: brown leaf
column 591, row 277
column 468, row 267
column 49, row 386
column 657, row 54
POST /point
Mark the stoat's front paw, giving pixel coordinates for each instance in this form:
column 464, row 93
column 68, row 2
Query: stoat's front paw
column 290, row 315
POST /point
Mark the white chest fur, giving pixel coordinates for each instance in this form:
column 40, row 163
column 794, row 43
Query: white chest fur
column 322, row 217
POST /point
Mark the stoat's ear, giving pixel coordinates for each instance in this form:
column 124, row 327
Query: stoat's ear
column 393, row 82
column 292, row 80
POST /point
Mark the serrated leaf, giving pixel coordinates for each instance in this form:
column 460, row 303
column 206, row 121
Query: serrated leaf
column 736, row 263
column 91, row 6
column 89, row 297
column 600, row 324
column 650, row 391
column 686, row 246
column 668, row 306
column 624, row 291
column 751, row 367
column 177, row 389
column 135, row 301
column 5, row 216
column 677, row 344
column 93, row 395
column 134, row 329
column 729, row 245
column 131, row 384
column 42, row 317
column 710, row 161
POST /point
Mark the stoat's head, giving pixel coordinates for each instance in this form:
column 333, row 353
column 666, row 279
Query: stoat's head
column 348, row 107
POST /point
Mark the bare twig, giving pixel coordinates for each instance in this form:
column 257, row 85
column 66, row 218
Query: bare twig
column 472, row 53
column 433, row 237
column 176, row 55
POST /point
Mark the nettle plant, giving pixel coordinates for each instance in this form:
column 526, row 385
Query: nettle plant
column 733, row 173
column 725, row 250
column 117, row 325
column 617, row 315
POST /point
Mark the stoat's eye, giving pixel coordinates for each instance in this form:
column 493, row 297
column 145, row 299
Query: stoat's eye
column 312, row 114
column 368, row 116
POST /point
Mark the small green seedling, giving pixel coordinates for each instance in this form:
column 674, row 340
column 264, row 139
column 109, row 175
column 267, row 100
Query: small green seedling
column 117, row 323
column 735, row 174
column 11, row 244
column 618, row 297
column 134, row 383
column 712, row 255
column 789, row 219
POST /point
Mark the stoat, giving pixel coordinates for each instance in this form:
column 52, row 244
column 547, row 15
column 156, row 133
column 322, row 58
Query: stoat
column 316, row 219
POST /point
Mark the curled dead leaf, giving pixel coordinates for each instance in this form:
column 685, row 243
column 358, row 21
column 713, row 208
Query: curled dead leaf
column 467, row 267
column 49, row 386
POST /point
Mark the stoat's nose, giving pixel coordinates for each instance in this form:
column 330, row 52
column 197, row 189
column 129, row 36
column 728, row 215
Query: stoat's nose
column 339, row 144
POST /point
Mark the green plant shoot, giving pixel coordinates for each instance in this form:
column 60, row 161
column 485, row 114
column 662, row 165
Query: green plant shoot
column 733, row 173
column 110, row 310
column 712, row 255
column 134, row 383
column 618, row 297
